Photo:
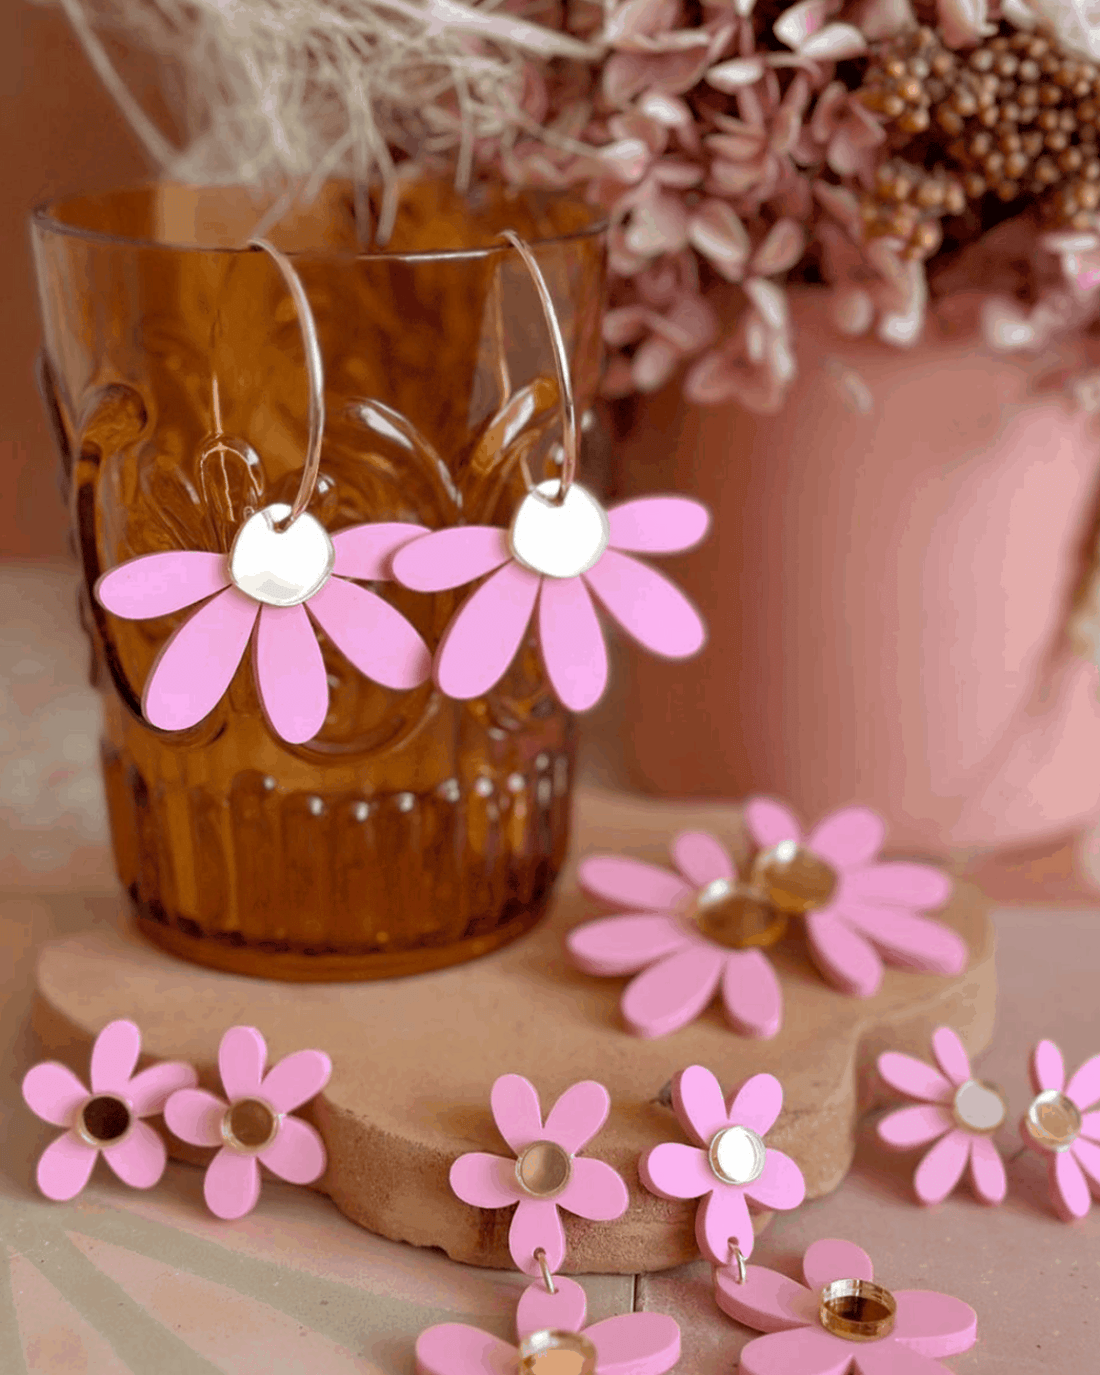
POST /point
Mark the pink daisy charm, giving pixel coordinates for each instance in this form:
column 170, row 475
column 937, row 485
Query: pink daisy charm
column 858, row 911
column 1059, row 1123
column 729, row 1163
column 267, row 582
column 558, row 555
column 254, row 1127
column 553, row 1337
column 955, row 1110
column 690, row 933
column 108, row 1119
column 547, row 1173
column 843, row 1322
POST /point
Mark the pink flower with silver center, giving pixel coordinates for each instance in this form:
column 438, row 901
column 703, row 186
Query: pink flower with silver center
column 957, row 1111
column 1063, row 1123
column 733, row 1164
column 558, row 556
column 254, row 1127
column 629, row 1344
column 926, row 1324
column 547, row 1172
column 108, row 1119
column 660, row 935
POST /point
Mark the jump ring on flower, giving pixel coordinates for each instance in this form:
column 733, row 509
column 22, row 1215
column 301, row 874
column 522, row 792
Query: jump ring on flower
column 738, row 1260
column 547, row 1277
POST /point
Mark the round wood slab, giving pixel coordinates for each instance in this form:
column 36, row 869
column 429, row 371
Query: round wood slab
column 415, row 1058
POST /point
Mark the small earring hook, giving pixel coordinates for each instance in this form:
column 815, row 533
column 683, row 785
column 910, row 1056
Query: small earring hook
column 547, row 1277
column 738, row 1260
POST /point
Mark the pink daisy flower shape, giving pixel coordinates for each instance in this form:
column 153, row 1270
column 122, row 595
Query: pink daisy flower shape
column 106, row 1120
column 733, row 1164
column 925, row 1324
column 1063, row 1123
column 551, row 1327
column 254, row 1127
column 955, row 1110
column 546, row 1173
column 689, row 933
column 857, row 910
column 558, row 556
column 272, row 582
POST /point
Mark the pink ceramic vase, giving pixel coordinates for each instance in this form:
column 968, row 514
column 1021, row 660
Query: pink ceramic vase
column 886, row 593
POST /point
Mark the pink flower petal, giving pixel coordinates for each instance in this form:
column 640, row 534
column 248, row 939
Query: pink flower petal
column 673, row 1170
column 758, row 1104
column 844, row 957
column 657, row 525
column 366, row 551
column 536, row 1223
column 848, row 838
column 893, row 1358
column 485, row 635
column 139, row 1160
column 941, row 1169
column 987, row 1170
column 913, row 1077
column 767, row 1301
column 563, row 1311
column 572, row 643
column 934, row 1324
column 900, row 884
column 1088, row 1157
column 1069, row 1187
column 454, row 1348
column 647, row 606
column 672, row 993
column 290, row 673
column 830, row 1259
column 751, row 994
column 781, row 1184
column 516, row 1111
column 53, row 1093
column 371, row 634
column 197, row 664
column 769, row 822
column 916, row 943
column 241, row 1059
column 296, row 1079
column 951, row 1055
column 916, row 1126
column 1048, row 1069
column 595, row 1191
column 114, row 1057
column 806, row 1351
column 699, row 1103
column 297, row 1154
column 723, row 1214
column 632, row 882
column 150, row 1090
column 485, row 1181
column 452, row 557
column 195, row 1116
column 635, row 1344
column 1084, row 1086
column 158, row 584
column 623, row 945
column 232, row 1184
column 64, row 1167
column 1090, row 1126
column 701, row 858
column 578, row 1115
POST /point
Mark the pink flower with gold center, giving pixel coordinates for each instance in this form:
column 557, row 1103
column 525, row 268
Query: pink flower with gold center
column 1063, row 1124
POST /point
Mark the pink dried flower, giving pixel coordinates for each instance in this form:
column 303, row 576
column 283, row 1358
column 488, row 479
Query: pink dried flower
column 805, row 28
column 847, row 131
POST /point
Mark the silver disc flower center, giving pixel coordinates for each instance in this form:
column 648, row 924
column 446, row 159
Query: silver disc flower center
column 734, row 917
column 737, row 1155
column 1053, row 1121
column 979, row 1107
column 557, row 1353
column 249, row 1125
column 543, row 1169
column 559, row 541
column 794, row 879
column 104, row 1120
column 281, row 567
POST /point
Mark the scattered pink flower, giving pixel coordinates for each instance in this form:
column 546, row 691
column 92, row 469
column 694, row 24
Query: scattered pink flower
column 254, row 1126
column 681, row 969
column 847, row 131
column 547, row 1172
column 733, row 1164
column 955, row 1110
column 1063, row 1123
column 927, row 1325
column 108, row 1119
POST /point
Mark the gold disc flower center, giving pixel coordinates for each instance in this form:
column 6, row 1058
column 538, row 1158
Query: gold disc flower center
column 735, row 917
column 857, row 1310
column 104, row 1120
column 249, row 1125
column 979, row 1107
column 543, row 1169
column 1053, row 1121
column 557, row 1353
column 793, row 879
column 737, row 1155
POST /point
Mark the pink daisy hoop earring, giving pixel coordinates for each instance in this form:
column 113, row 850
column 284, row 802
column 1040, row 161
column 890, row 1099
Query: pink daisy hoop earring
column 283, row 573
column 562, row 553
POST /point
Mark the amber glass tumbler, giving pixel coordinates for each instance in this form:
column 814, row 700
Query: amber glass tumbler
column 413, row 831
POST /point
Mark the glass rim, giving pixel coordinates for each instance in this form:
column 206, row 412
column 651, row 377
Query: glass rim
column 44, row 216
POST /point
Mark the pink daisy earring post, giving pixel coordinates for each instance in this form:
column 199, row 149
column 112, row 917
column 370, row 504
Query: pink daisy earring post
column 1063, row 1124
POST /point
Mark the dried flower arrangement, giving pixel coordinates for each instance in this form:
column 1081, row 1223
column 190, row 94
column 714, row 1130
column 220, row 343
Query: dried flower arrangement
column 887, row 149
